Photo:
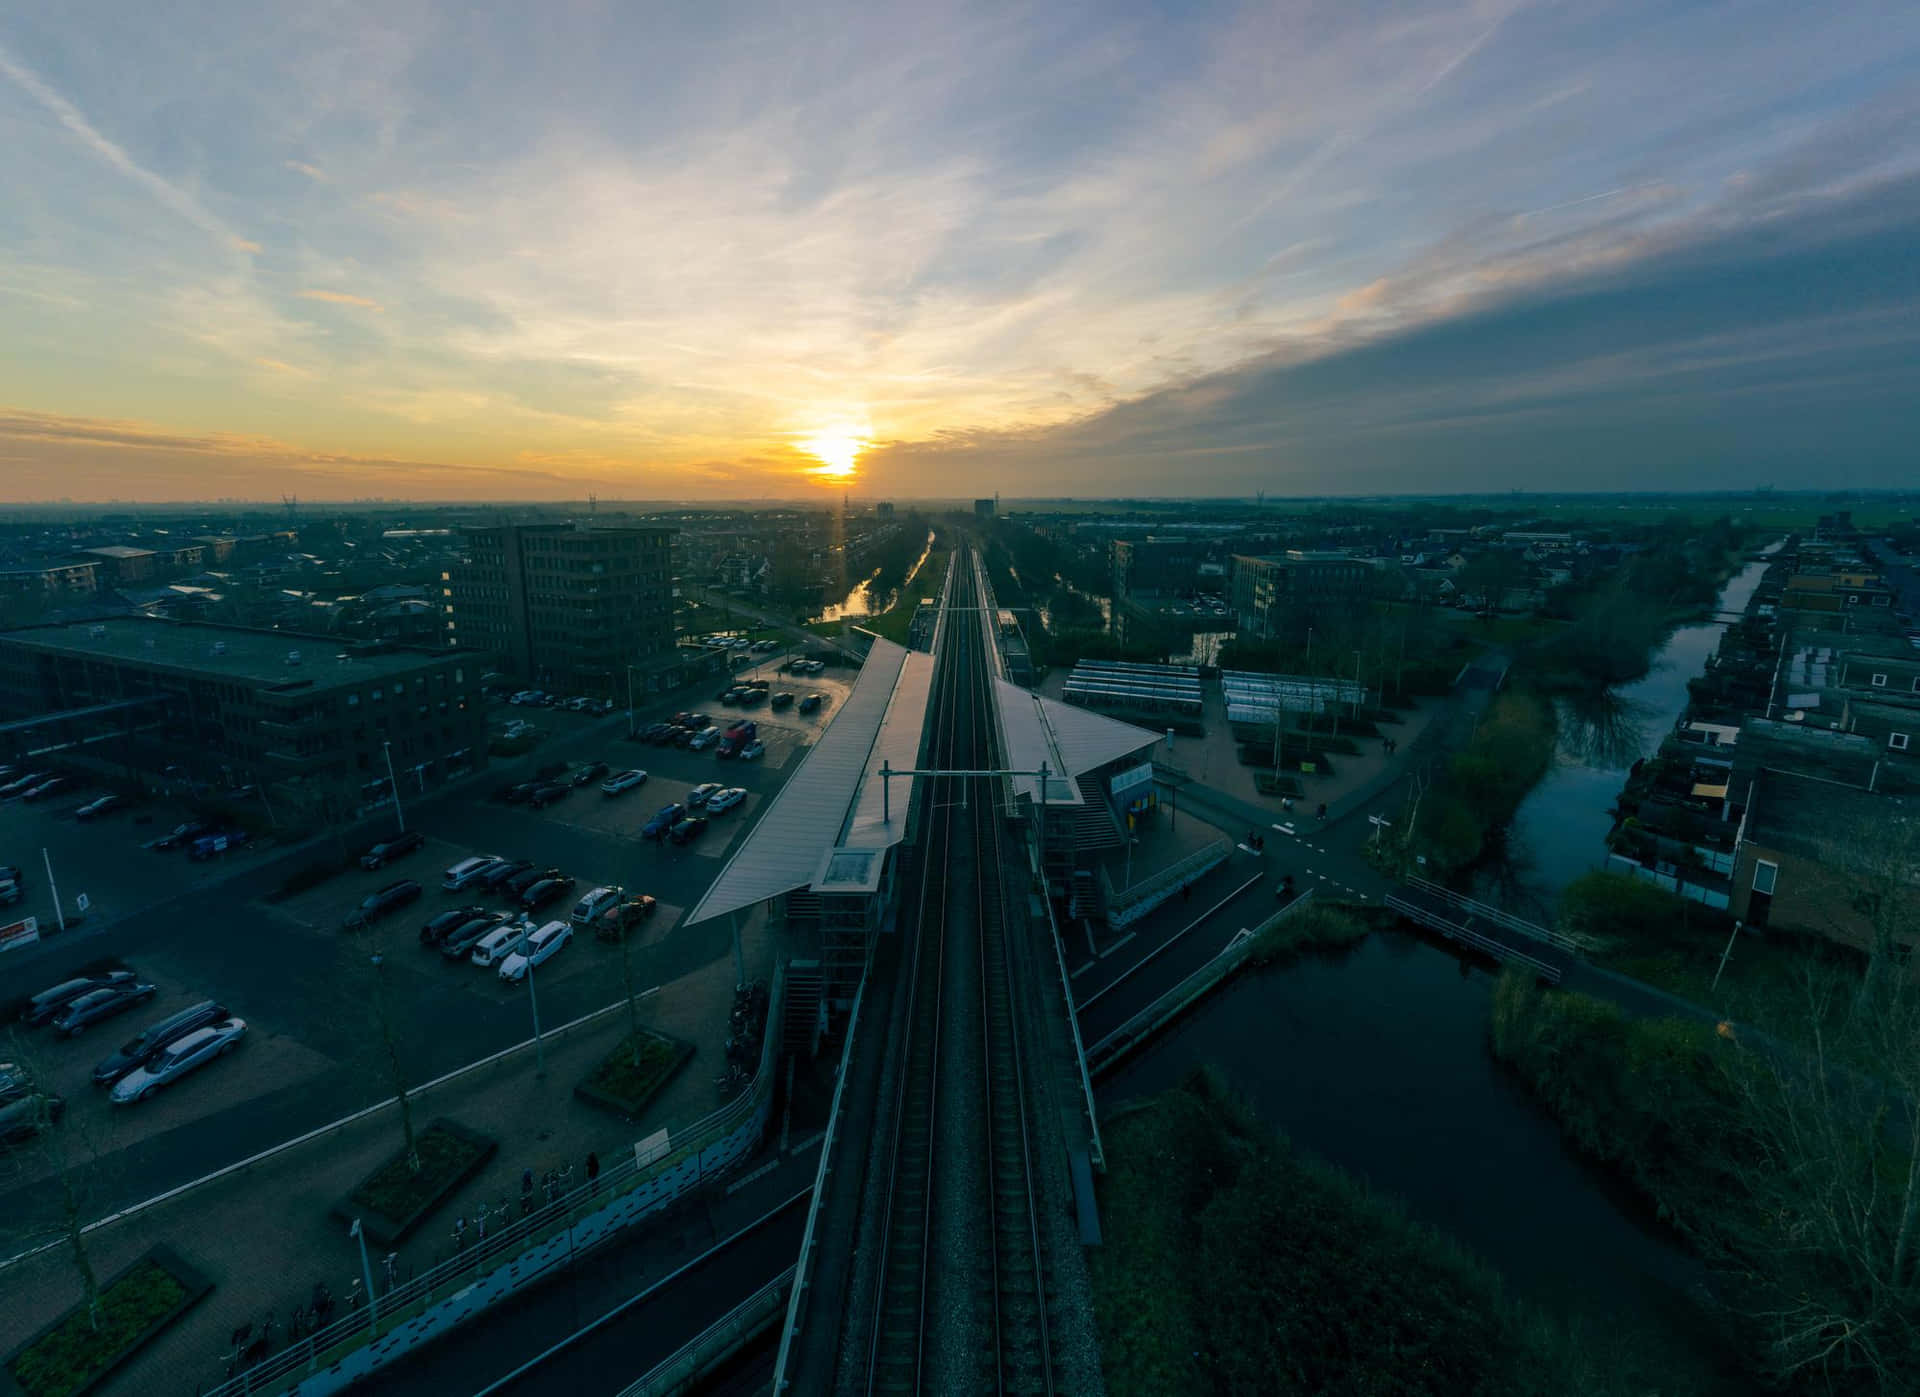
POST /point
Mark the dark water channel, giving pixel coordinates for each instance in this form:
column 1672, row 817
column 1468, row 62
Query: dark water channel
column 1376, row 1061
column 1559, row 832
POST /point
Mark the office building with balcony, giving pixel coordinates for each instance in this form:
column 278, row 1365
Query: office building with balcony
column 565, row 605
column 227, row 705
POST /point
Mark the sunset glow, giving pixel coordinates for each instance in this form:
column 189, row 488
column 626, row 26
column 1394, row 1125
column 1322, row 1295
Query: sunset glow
column 837, row 451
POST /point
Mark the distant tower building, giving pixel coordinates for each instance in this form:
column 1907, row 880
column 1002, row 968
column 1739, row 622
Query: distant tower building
column 985, row 509
column 883, row 510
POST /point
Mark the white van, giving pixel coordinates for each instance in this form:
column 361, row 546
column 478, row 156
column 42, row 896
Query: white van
column 497, row 944
column 465, row 873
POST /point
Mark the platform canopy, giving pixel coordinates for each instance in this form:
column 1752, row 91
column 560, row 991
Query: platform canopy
column 829, row 812
column 1069, row 740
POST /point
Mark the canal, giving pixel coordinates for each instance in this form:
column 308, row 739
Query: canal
column 1376, row 1060
column 1560, row 829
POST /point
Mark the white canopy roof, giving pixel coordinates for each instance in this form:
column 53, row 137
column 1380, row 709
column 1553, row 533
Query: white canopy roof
column 1071, row 741
column 832, row 800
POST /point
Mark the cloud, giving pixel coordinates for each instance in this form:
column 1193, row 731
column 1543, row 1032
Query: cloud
column 1731, row 356
column 244, row 245
column 69, row 116
column 312, row 172
column 341, row 298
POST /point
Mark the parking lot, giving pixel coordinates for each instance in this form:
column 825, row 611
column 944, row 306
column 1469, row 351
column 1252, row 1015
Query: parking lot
column 306, row 987
column 104, row 858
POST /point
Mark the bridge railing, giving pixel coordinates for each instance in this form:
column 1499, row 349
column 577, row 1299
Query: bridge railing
column 1473, row 908
column 1454, row 931
column 716, row 1342
column 1129, row 904
column 1155, row 1016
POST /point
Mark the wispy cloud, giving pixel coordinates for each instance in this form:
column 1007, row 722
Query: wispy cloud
column 312, row 172
column 340, row 298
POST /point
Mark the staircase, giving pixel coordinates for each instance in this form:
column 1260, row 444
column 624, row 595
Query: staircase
column 1095, row 827
column 804, row 1016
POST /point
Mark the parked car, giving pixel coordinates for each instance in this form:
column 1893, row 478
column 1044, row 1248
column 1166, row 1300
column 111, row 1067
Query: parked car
column 376, row 905
column 154, row 1037
column 497, row 944
column 546, row 795
column 185, row 1054
column 702, row 793
column 98, row 806
column 688, row 829
column 436, row 928
column 659, row 733
column 497, row 873
column 591, row 772
column 624, row 916
column 782, row 699
column 729, row 695
column 545, row 891
column 52, row 786
column 211, row 846
column 750, row 697
column 810, row 704
column 753, row 751
column 666, row 818
column 720, row 802
column 623, row 781
column 49, row 1002
column 84, row 1011
column 387, row 850
column 13, row 884
column 20, row 785
column 526, row 878
column 468, row 872
column 26, row 1116
column 459, row 942
column 596, row 901
column 536, row 948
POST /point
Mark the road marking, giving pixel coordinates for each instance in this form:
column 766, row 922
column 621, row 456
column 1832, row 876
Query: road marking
column 1248, row 849
column 1076, row 974
column 753, row 1174
column 1286, row 829
column 1118, row 944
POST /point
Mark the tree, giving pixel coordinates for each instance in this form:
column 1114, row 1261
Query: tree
column 69, row 1155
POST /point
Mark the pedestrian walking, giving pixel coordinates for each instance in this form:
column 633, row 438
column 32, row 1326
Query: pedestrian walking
column 593, row 1172
column 526, row 1192
column 460, row 1234
column 391, row 1261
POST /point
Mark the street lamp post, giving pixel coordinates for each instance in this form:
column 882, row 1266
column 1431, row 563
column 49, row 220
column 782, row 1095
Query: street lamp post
column 393, row 785
column 1127, row 877
column 533, row 997
column 366, row 1271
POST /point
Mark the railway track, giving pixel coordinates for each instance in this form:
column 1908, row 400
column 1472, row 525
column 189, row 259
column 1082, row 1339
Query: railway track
column 981, row 1325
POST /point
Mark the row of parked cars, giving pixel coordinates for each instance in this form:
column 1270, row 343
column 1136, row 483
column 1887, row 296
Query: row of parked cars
column 508, row 942
column 154, row 1058
column 697, row 732
column 29, row 786
column 685, row 821
column 539, row 698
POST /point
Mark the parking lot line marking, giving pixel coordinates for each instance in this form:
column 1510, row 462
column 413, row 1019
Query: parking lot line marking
column 1118, row 944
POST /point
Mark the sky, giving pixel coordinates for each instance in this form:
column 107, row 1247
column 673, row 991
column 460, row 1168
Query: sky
column 438, row 251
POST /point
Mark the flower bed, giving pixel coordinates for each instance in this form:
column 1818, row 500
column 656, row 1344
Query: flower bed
column 394, row 1199
column 71, row 1355
column 617, row 1084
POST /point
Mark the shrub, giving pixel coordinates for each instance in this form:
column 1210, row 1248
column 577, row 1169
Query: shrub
column 75, row 1351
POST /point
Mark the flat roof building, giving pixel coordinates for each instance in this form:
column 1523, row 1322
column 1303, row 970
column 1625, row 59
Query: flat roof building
column 270, row 706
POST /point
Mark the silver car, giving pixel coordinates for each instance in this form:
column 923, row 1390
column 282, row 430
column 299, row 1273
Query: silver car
column 178, row 1058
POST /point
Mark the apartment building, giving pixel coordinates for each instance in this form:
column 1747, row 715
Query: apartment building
column 1274, row 594
column 565, row 605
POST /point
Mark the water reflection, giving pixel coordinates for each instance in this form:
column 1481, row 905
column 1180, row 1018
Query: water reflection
column 1601, row 728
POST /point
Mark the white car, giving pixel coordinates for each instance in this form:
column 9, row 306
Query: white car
column 495, row 944
column 702, row 793
column 704, row 739
column 623, row 781
column 720, row 802
column 178, row 1058
column 538, row 947
column 592, row 905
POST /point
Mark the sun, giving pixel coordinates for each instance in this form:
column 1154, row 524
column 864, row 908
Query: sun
column 837, row 451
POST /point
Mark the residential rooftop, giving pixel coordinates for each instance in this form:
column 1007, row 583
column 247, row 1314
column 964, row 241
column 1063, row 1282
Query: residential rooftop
column 255, row 656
